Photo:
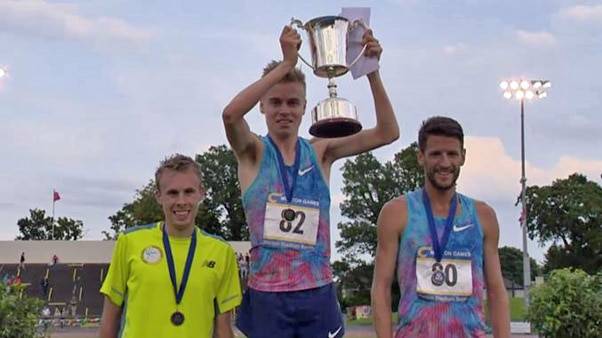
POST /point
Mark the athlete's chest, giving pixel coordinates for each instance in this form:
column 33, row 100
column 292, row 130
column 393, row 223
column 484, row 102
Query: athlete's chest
column 150, row 265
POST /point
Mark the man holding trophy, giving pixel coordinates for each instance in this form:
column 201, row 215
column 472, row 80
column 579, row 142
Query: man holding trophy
column 284, row 182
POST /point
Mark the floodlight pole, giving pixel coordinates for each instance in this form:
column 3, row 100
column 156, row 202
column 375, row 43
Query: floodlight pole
column 523, row 199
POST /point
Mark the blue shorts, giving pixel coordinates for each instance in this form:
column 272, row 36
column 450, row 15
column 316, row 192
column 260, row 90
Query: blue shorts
column 298, row 314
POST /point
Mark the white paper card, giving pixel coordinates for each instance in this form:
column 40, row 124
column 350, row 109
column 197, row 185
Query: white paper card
column 364, row 65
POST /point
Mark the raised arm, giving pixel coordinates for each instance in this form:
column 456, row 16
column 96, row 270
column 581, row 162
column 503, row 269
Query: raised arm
column 241, row 139
column 497, row 298
column 386, row 129
column 389, row 228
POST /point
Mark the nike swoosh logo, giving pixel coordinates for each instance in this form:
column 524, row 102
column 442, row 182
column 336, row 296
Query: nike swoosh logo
column 462, row 228
column 334, row 334
column 305, row 171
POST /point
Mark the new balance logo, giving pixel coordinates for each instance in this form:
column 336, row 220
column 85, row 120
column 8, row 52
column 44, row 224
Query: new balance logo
column 305, row 171
column 462, row 228
column 210, row 264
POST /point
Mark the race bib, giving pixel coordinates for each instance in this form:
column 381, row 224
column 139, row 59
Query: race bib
column 449, row 280
column 295, row 222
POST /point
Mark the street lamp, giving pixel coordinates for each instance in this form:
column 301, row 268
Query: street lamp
column 521, row 89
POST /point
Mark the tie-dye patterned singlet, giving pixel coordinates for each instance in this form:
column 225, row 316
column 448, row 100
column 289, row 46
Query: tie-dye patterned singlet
column 290, row 240
column 441, row 299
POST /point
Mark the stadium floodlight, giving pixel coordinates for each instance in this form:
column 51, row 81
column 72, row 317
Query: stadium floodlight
column 524, row 89
column 521, row 89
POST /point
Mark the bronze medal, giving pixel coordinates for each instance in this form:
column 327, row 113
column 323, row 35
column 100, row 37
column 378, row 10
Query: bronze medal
column 177, row 318
column 438, row 278
column 288, row 214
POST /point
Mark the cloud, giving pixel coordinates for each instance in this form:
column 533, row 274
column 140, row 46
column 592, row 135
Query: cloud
column 582, row 13
column 55, row 143
column 97, row 193
column 39, row 19
column 492, row 174
column 537, row 39
column 6, row 205
column 454, row 49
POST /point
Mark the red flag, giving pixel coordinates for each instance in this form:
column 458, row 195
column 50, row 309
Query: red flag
column 56, row 196
column 523, row 219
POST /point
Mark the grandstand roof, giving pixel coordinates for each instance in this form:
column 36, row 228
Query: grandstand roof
column 82, row 251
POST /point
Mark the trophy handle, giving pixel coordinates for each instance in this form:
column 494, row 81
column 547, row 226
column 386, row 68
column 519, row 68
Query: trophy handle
column 354, row 25
column 299, row 24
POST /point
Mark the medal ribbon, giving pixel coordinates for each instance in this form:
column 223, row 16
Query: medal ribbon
column 439, row 248
column 288, row 188
column 179, row 293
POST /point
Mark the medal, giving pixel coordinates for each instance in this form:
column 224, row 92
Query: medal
column 177, row 318
column 288, row 214
column 438, row 276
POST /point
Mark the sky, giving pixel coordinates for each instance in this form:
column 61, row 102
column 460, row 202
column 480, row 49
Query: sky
column 97, row 92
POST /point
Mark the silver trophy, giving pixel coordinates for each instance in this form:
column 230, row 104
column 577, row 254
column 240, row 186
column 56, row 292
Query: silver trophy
column 328, row 35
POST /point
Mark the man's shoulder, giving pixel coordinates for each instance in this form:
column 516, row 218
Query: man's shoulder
column 396, row 210
column 399, row 202
column 484, row 211
column 216, row 241
column 139, row 229
column 479, row 205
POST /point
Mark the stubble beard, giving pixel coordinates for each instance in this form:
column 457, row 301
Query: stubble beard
column 443, row 188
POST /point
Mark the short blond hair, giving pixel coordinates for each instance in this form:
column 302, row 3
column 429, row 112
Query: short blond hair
column 295, row 75
column 178, row 162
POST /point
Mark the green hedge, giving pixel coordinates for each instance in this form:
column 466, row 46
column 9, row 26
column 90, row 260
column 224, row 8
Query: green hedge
column 18, row 313
column 569, row 304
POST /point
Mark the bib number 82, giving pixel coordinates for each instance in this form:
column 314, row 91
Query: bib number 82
column 287, row 226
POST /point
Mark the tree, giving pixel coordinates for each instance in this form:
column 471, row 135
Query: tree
column 18, row 313
column 220, row 213
column 568, row 213
column 39, row 227
column 368, row 185
column 511, row 260
column 143, row 210
column 569, row 304
column 357, row 282
column 220, row 174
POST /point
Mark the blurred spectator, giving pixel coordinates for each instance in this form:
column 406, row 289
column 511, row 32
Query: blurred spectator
column 46, row 311
column 46, row 316
column 76, row 284
column 22, row 261
column 73, row 305
column 243, row 265
column 45, row 285
column 16, row 280
column 54, row 260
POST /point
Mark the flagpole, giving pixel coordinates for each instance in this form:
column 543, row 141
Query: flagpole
column 53, row 202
